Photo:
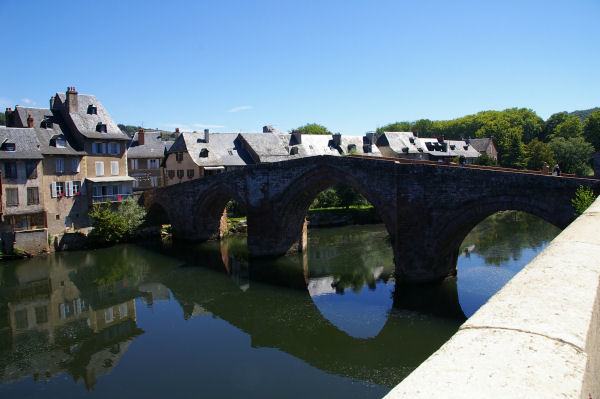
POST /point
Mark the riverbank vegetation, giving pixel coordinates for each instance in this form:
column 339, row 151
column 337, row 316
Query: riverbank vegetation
column 114, row 223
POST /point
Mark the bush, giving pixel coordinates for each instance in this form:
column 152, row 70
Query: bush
column 112, row 225
column 584, row 197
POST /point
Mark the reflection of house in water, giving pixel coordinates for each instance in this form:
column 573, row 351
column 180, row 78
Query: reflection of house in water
column 53, row 327
column 318, row 286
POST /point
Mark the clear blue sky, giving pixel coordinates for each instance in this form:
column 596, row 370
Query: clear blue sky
column 349, row 65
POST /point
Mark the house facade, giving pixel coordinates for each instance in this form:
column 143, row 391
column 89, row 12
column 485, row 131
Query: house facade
column 146, row 155
column 485, row 146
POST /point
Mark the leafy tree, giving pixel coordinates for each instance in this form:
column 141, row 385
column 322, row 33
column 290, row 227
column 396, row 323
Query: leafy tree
column 313, row 128
column 326, row 199
column 591, row 130
column 551, row 124
column 538, row 153
column 2, row 119
column 424, row 128
column 584, row 197
column 112, row 225
column 485, row 160
column 573, row 154
column 130, row 130
column 348, row 196
column 569, row 128
column 514, row 157
column 396, row 127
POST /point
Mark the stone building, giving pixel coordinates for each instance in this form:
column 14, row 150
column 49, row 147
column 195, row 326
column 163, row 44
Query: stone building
column 92, row 130
column 485, row 146
column 146, row 154
column 23, row 215
column 194, row 155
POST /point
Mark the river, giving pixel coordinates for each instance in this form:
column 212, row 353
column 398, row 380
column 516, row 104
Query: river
column 163, row 319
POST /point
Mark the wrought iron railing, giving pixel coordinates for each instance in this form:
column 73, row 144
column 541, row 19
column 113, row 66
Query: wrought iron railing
column 111, row 198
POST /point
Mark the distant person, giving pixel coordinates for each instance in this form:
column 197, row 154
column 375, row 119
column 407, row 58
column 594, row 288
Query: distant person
column 556, row 170
column 546, row 168
column 462, row 160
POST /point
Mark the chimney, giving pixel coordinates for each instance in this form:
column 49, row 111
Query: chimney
column 206, row 135
column 72, row 101
column 29, row 120
column 268, row 129
column 177, row 130
column 297, row 135
column 8, row 114
column 370, row 138
column 337, row 139
column 52, row 102
column 141, row 136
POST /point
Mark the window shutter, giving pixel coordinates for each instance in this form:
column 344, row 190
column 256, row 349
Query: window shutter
column 99, row 168
column 114, row 167
column 103, row 148
column 118, row 148
column 53, row 190
column 76, row 165
column 69, row 188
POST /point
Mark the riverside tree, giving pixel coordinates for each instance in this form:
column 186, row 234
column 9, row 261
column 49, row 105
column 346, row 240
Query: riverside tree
column 591, row 130
column 112, row 225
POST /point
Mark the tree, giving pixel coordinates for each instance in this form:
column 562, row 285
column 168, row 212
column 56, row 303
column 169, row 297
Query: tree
column 514, row 157
column 538, row 153
column 551, row 123
column 486, row 160
column 313, row 128
column 395, row 127
column 573, row 155
column 2, row 119
column 423, row 127
column 112, row 225
column 349, row 196
column 584, row 197
column 591, row 130
column 569, row 128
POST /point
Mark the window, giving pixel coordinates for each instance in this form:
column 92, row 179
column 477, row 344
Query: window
column 171, row 174
column 134, row 164
column 61, row 142
column 204, row 153
column 101, row 127
column 153, row 164
column 41, row 314
column 10, row 170
column 75, row 188
column 108, row 314
column 21, row 319
column 60, row 165
column 114, row 168
column 31, row 169
column 114, row 148
column 135, row 183
column 7, row 147
column 154, row 181
column 180, row 173
column 99, row 148
column 190, row 173
column 179, row 156
column 12, row 197
column 99, row 168
column 75, row 165
column 123, row 310
column 57, row 189
column 33, row 196
column 92, row 110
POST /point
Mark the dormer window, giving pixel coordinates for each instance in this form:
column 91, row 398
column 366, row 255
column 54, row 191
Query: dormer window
column 7, row 147
column 101, row 127
column 47, row 123
column 92, row 110
column 58, row 142
column 204, row 153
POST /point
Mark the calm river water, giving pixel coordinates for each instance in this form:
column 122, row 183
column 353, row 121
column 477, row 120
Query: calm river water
column 155, row 321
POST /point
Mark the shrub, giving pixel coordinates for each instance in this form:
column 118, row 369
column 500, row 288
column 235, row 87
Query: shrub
column 584, row 197
column 112, row 225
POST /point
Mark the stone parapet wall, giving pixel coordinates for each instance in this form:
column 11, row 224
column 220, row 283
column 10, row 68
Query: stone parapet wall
column 537, row 337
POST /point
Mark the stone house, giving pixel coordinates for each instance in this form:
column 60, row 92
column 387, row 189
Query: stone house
column 485, row 146
column 64, row 170
column 146, row 154
column 24, row 223
column 91, row 130
column 194, row 155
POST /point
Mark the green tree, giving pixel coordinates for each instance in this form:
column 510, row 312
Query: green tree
column 569, row 128
column 485, row 160
column 538, row 153
column 2, row 119
column 313, row 128
column 348, row 196
column 573, row 155
column 112, row 225
column 423, row 127
column 396, row 127
column 584, row 197
column 591, row 130
column 133, row 213
column 514, row 157
column 551, row 124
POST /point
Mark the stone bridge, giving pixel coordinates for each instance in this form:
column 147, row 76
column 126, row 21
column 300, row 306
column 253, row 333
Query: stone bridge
column 427, row 208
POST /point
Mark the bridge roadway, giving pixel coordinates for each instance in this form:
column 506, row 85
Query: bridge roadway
column 427, row 207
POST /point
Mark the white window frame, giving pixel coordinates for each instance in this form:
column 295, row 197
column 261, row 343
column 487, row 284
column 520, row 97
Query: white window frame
column 134, row 164
column 99, row 168
column 114, row 168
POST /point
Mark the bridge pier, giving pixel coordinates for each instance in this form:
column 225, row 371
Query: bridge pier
column 270, row 238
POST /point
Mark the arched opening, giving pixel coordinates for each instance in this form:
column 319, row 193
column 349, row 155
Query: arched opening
column 494, row 250
column 349, row 261
column 156, row 215
column 219, row 214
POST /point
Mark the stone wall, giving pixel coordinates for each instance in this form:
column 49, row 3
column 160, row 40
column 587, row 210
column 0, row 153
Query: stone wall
column 33, row 242
column 537, row 337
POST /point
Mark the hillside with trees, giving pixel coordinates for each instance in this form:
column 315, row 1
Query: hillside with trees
column 523, row 139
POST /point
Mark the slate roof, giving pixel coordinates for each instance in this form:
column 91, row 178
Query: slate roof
column 398, row 141
column 359, row 142
column 461, row 147
column 46, row 135
column 224, row 149
column 154, row 146
column 86, row 123
column 407, row 143
column 267, row 146
column 27, row 145
column 481, row 145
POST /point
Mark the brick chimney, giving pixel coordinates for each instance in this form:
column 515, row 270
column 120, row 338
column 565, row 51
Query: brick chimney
column 206, row 135
column 72, row 100
column 8, row 114
column 29, row 120
column 141, row 137
column 297, row 135
column 337, row 139
column 52, row 102
column 177, row 130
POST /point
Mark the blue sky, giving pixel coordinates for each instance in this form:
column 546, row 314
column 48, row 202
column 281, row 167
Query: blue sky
column 349, row 65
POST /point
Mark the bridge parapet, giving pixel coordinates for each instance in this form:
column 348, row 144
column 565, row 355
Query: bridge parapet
column 537, row 337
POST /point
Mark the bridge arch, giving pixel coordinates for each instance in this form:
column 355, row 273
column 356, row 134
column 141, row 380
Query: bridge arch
column 301, row 192
column 209, row 213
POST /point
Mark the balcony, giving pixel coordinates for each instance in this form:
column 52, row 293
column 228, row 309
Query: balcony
column 98, row 199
